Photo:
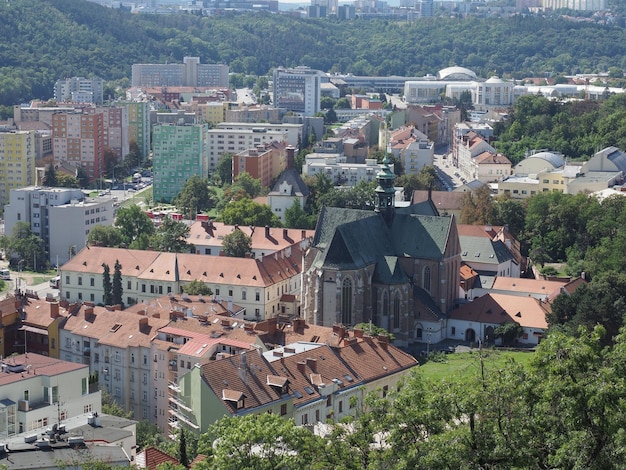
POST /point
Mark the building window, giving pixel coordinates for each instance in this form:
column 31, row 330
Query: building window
column 453, row 331
column 396, row 311
column 67, row 280
column 80, row 281
column 243, row 295
column 257, row 296
column 283, row 409
column 426, row 280
column 346, row 301
column 128, row 285
column 340, row 406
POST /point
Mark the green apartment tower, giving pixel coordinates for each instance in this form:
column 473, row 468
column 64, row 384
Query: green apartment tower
column 179, row 152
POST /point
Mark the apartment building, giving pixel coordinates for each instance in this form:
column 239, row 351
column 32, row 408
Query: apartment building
column 39, row 392
column 116, row 125
column 308, row 381
column 264, row 162
column 17, row 162
column 339, row 170
column 78, row 141
column 258, row 285
column 224, row 140
column 179, row 152
column 116, row 345
column 61, row 217
column 297, row 89
column 466, row 148
column 79, row 90
column 190, row 73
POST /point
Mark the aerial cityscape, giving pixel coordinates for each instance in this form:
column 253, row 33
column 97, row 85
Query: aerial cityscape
column 312, row 234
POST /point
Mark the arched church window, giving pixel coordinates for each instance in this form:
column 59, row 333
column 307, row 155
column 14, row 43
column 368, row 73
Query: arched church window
column 346, row 302
column 396, row 311
column 426, row 279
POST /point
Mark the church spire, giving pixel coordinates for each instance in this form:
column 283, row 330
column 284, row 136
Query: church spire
column 385, row 192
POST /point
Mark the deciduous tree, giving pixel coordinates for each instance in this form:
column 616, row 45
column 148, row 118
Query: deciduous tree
column 237, row 244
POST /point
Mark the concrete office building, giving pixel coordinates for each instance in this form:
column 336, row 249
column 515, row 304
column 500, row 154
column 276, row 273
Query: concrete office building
column 61, row 217
column 79, row 90
column 298, row 89
column 190, row 73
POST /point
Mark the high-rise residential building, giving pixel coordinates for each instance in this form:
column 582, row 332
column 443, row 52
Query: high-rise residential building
column 61, row 217
column 78, row 140
column 190, row 73
column 264, row 162
column 79, row 90
column 298, row 89
column 17, row 161
column 139, row 126
column 179, row 152
column 115, row 124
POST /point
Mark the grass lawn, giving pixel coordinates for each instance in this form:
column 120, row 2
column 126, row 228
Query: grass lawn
column 462, row 365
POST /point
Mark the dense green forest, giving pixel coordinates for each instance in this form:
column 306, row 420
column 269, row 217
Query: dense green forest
column 577, row 129
column 51, row 39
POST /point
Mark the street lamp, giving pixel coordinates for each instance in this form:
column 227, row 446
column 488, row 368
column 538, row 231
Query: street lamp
column 19, row 274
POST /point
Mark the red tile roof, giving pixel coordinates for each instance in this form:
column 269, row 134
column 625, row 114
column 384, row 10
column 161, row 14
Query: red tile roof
column 500, row 308
column 35, row 364
column 371, row 359
column 152, row 457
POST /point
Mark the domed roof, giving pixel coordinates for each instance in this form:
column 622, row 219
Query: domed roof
column 494, row 79
column 456, row 73
column 554, row 159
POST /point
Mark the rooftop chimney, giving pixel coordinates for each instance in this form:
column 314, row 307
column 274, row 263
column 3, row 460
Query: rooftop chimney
column 54, row 309
column 383, row 341
column 267, row 231
column 358, row 333
column 302, row 367
column 143, row 322
column 312, row 363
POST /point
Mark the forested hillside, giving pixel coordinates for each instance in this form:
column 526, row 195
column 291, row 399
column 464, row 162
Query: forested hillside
column 46, row 40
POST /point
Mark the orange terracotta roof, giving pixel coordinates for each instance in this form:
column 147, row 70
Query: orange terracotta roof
column 37, row 312
column 370, row 359
column 114, row 328
column 310, row 370
column 211, row 234
column 225, row 376
column 531, row 286
column 501, row 308
column 151, row 265
column 467, row 272
column 490, row 157
column 35, row 364
column 152, row 457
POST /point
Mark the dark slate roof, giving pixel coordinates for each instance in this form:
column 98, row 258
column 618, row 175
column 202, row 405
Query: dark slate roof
column 352, row 238
column 484, row 250
column 420, row 236
column 424, row 300
column 291, row 177
column 388, row 271
column 426, row 207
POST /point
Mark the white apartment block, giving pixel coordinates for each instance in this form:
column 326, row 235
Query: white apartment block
column 339, row 171
column 222, row 141
column 292, row 132
column 40, row 391
column 61, row 217
column 79, row 90
column 297, row 89
column 417, row 155
column 190, row 73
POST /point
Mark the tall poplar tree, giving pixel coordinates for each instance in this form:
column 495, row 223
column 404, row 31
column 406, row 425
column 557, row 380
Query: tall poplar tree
column 116, row 289
column 106, row 285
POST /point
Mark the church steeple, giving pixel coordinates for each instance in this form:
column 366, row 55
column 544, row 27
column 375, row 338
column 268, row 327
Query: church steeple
column 385, row 192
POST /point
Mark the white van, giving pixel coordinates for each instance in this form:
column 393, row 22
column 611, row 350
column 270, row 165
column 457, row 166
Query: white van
column 5, row 274
column 54, row 282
